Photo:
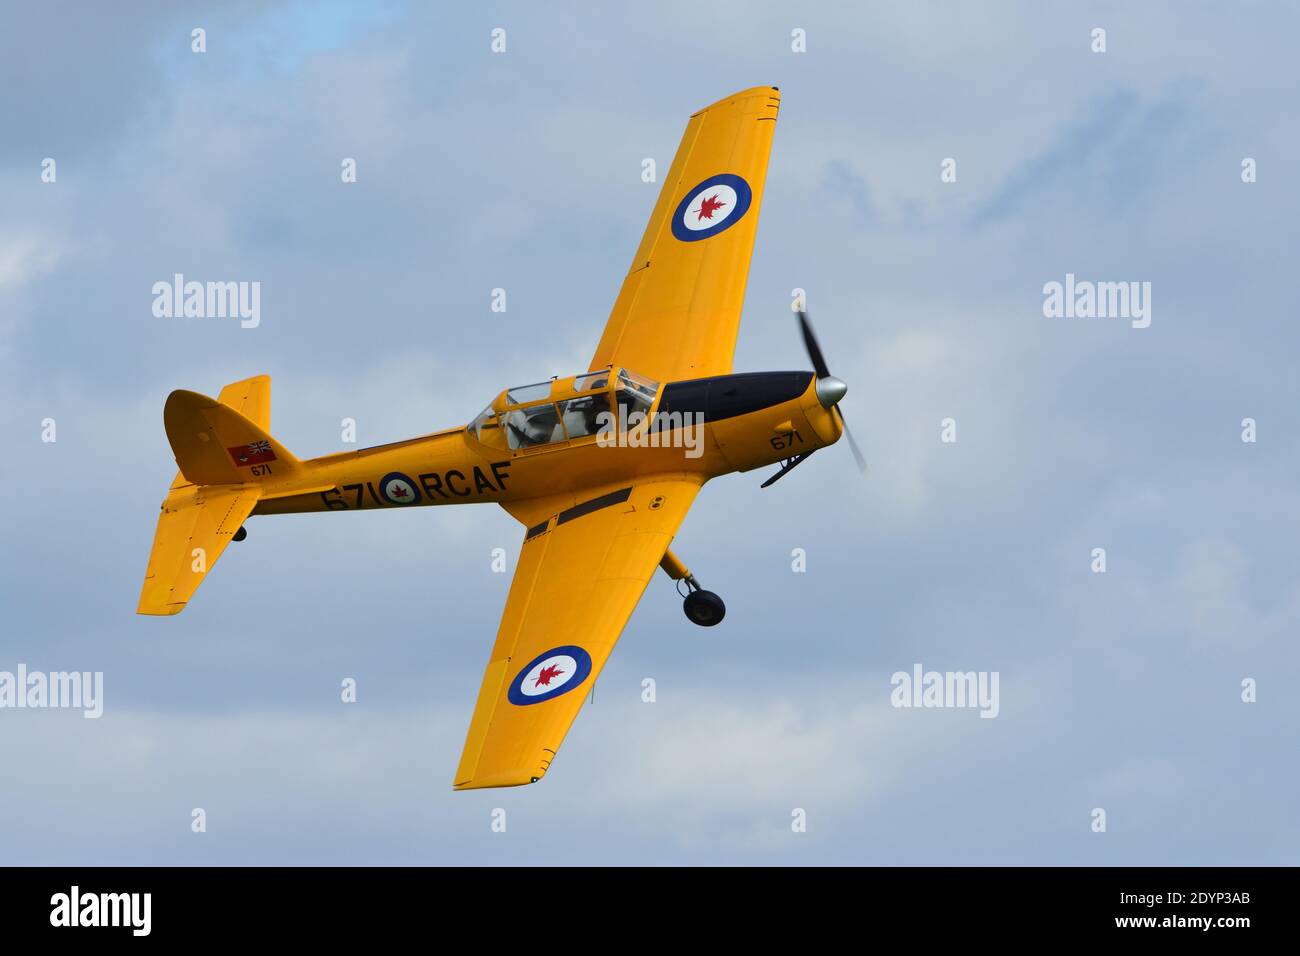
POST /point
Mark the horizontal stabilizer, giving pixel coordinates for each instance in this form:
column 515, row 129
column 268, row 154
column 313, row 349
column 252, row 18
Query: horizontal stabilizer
column 194, row 528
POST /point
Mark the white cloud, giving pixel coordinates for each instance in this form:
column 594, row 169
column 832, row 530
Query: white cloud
column 25, row 258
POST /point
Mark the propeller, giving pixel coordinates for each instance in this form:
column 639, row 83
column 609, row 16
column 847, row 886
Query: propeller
column 830, row 390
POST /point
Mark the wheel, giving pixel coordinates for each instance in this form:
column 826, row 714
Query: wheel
column 704, row 608
column 241, row 534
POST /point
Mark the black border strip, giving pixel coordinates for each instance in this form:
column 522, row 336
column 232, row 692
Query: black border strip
column 595, row 504
column 194, row 904
column 537, row 529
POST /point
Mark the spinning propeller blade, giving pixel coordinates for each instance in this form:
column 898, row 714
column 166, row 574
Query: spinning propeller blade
column 830, row 390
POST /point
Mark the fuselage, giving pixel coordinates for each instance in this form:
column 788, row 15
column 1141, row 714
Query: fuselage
column 703, row 427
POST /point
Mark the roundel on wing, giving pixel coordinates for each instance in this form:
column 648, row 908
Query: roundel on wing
column 713, row 206
column 398, row 489
column 550, row 674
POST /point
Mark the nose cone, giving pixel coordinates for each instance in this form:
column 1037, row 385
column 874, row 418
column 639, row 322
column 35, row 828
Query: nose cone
column 830, row 391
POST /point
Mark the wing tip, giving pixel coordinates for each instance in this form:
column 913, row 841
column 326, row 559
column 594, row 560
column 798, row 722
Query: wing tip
column 159, row 610
column 156, row 599
column 509, row 778
column 771, row 92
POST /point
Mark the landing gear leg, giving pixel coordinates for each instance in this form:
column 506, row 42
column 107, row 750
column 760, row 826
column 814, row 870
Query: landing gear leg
column 702, row 607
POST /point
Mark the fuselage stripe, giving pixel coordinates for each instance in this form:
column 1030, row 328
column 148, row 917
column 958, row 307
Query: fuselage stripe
column 595, row 504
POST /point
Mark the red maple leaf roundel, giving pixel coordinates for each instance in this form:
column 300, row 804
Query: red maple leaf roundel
column 708, row 207
column 547, row 675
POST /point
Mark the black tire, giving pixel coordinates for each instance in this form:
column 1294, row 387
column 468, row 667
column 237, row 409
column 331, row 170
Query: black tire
column 704, row 608
column 241, row 534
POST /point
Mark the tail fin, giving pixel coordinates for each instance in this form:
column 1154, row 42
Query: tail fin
column 251, row 398
column 216, row 445
column 224, row 453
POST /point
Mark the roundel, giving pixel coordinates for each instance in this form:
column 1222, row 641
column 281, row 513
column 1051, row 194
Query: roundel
column 550, row 674
column 397, row 489
column 716, row 204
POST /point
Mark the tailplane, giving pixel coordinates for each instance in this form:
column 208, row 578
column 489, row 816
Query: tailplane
column 196, row 524
column 225, row 455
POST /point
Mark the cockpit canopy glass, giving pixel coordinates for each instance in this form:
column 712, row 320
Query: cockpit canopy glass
column 533, row 425
column 585, row 383
column 563, row 409
column 635, row 394
column 523, row 394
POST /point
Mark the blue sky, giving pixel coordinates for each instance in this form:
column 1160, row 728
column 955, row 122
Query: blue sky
column 476, row 171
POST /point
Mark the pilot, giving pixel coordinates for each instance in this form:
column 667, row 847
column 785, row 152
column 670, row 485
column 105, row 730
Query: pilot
column 596, row 404
column 528, row 430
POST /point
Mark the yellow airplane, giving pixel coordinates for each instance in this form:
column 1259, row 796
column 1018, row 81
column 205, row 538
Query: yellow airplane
column 600, row 468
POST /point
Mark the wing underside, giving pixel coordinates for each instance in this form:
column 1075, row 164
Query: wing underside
column 584, row 565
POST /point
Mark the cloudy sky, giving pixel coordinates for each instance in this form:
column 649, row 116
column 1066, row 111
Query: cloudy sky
column 522, row 170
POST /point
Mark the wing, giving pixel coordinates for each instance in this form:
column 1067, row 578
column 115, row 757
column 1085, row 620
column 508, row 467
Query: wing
column 679, row 309
column 581, row 572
